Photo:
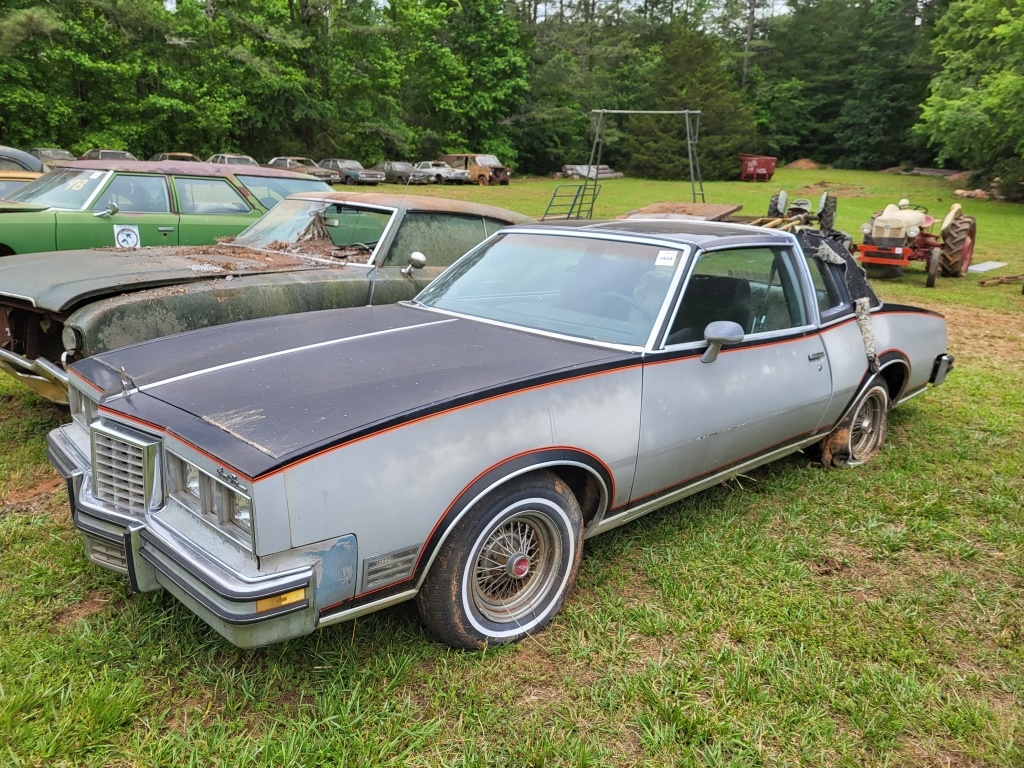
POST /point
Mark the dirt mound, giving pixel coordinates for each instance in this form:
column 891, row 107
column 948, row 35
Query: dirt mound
column 960, row 178
column 803, row 164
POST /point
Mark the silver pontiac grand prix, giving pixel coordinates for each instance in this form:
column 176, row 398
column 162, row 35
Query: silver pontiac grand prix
column 288, row 473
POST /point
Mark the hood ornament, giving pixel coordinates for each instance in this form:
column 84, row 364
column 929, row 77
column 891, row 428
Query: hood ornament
column 126, row 382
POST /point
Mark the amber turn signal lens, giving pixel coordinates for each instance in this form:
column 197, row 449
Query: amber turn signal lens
column 267, row 603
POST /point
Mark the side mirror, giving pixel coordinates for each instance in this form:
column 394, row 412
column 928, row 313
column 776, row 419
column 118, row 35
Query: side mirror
column 717, row 335
column 110, row 210
column 416, row 261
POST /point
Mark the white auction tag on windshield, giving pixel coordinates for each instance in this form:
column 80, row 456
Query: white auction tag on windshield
column 666, row 259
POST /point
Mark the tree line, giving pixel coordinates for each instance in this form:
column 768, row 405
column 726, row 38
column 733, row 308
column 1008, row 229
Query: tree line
column 854, row 83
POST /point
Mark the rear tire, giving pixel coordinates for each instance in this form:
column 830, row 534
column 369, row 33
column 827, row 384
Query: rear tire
column 958, row 247
column 505, row 569
column 859, row 437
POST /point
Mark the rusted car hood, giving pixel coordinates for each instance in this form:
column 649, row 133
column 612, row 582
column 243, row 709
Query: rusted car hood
column 60, row 280
column 263, row 393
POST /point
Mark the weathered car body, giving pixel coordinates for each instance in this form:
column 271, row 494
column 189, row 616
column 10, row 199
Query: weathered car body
column 482, row 169
column 63, row 306
column 303, row 165
column 351, row 172
column 128, row 203
column 51, row 155
column 401, row 172
column 184, row 157
column 107, row 154
column 12, row 159
column 289, row 473
column 229, row 159
column 441, row 173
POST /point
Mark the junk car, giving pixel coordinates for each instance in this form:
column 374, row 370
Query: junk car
column 401, row 172
column 129, row 204
column 482, row 169
column 289, row 473
column 313, row 251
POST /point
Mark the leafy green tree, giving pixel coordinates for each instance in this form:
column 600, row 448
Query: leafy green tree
column 974, row 114
column 690, row 76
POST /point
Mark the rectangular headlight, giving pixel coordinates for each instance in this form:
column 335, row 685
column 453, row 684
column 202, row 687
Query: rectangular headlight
column 206, row 496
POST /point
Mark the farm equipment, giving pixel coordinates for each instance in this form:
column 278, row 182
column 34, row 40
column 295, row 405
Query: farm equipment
column 902, row 233
column 786, row 215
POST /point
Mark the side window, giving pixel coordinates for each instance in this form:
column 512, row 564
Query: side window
column 7, row 164
column 441, row 237
column 208, row 196
column 758, row 288
column 347, row 226
column 826, row 285
column 136, row 194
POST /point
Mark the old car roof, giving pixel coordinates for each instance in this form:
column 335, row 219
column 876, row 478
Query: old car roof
column 31, row 162
column 705, row 234
column 182, row 167
column 416, row 203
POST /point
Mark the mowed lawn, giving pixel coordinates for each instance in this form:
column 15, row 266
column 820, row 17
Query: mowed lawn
column 795, row 616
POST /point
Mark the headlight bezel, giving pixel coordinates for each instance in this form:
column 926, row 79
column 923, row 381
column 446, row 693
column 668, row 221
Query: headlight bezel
column 208, row 498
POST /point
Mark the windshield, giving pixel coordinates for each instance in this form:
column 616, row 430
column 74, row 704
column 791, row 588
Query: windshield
column 604, row 290
column 65, row 188
column 270, row 190
column 305, row 161
column 318, row 227
column 54, row 154
column 241, row 161
column 487, row 160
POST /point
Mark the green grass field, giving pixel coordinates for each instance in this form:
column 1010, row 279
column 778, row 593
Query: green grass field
column 797, row 616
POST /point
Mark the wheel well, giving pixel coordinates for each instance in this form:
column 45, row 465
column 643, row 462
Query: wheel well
column 895, row 377
column 584, row 486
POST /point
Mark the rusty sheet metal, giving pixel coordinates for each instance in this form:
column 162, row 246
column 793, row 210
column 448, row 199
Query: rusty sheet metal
column 124, row 319
column 680, row 210
column 71, row 277
column 183, row 168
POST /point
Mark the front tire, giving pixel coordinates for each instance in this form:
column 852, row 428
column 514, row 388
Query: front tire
column 505, row 569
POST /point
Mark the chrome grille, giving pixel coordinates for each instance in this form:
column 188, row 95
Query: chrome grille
column 123, row 468
column 107, row 553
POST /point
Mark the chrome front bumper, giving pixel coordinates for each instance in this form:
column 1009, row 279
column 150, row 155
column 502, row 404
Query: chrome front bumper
column 154, row 557
column 42, row 376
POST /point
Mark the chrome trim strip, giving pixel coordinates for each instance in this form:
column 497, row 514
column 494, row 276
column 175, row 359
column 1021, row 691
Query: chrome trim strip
column 603, row 503
column 355, row 613
column 688, row 490
column 271, row 355
column 40, row 367
column 29, row 299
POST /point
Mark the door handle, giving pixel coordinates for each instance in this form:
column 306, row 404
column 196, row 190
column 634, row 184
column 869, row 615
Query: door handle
column 165, row 229
column 815, row 355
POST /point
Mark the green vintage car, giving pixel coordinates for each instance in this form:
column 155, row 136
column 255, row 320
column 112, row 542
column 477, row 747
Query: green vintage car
column 313, row 251
column 128, row 204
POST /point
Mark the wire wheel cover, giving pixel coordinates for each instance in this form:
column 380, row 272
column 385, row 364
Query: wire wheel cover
column 865, row 432
column 515, row 567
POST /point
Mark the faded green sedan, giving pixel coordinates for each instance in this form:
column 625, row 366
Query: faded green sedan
column 127, row 204
column 313, row 251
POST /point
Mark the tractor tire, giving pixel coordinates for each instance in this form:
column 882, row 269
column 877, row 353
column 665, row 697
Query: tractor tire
column 773, row 208
column 958, row 247
column 882, row 272
column 827, row 214
column 933, row 267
